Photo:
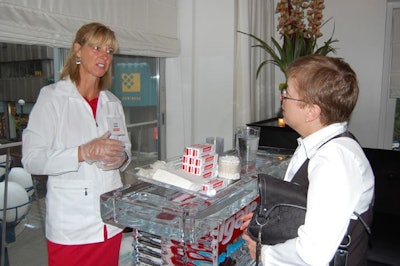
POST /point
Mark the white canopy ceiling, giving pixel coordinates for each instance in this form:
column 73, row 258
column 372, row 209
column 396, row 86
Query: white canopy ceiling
column 147, row 28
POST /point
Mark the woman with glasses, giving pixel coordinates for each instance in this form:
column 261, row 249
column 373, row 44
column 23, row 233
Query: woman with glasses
column 320, row 97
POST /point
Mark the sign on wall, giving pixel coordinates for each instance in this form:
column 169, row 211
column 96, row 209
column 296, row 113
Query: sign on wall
column 134, row 85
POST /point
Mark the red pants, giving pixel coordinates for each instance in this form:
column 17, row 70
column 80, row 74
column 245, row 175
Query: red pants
column 96, row 254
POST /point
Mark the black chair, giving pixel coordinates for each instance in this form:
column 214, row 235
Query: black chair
column 385, row 238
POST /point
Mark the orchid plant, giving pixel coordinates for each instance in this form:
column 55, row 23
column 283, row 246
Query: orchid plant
column 299, row 25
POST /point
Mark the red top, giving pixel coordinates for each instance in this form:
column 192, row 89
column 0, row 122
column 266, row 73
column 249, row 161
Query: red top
column 93, row 105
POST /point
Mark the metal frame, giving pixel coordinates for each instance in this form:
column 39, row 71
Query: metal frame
column 8, row 167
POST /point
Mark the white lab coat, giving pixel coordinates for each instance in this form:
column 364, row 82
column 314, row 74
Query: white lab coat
column 60, row 121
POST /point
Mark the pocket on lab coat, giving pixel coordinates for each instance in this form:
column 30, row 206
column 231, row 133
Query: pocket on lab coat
column 72, row 204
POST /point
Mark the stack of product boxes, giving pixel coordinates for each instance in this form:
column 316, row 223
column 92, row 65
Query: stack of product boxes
column 201, row 160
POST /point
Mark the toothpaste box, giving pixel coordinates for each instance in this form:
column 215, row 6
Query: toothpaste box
column 215, row 183
column 207, row 171
column 198, row 150
column 200, row 161
column 194, row 169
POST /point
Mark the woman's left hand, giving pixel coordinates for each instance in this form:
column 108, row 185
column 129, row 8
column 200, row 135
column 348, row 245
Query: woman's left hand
column 246, row 220
column 114, row 163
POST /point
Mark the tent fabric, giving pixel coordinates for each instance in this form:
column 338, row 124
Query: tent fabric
column 144, row 28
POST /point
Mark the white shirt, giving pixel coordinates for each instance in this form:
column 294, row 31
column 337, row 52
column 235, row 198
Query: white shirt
column 341, row 181
column 59, row 123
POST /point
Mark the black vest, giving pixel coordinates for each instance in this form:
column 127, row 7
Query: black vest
column 357, row 250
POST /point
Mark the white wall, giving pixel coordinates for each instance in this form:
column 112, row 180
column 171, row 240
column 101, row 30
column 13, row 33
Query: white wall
column 200, row 80
column 360, row 29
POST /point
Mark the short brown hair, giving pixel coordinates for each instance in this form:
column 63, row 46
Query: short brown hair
column 93, row 33
column 327, row 82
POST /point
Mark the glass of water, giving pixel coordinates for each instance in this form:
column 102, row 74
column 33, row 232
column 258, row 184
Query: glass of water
column 247, row 139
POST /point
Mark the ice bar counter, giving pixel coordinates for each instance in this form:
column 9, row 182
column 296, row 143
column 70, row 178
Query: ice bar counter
column 175, row 226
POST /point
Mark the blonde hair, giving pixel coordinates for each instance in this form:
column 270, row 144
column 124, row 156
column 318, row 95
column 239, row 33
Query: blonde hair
column 95, row 34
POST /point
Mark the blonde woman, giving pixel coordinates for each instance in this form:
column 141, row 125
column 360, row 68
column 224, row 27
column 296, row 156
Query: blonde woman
column 68, row 138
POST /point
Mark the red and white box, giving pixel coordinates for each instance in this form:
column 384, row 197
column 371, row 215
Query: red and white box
column 205, row 172
column 198, row 150
column 200, row 161
column 215, row 183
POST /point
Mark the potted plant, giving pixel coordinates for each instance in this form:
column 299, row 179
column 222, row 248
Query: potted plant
column 299, row 25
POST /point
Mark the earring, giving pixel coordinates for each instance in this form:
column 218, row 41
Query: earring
column 78, row 61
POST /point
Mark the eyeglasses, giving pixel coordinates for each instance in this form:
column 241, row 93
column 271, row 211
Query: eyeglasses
column 284, row 97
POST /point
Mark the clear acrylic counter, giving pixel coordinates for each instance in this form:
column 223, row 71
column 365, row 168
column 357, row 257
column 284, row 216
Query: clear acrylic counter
column 173, row 226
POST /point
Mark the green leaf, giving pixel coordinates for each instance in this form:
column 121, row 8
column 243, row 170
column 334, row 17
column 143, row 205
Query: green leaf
column 293, row 47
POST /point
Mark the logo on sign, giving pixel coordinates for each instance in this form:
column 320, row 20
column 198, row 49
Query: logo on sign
column 130, row 82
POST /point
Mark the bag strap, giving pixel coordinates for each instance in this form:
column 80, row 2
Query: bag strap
column 262, row 184
column 301, row 176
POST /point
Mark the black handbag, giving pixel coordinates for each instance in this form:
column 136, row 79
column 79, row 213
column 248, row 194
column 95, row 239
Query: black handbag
column 281, row 211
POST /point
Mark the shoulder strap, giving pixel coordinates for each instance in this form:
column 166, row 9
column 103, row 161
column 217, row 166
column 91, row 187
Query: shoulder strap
column 301, row 176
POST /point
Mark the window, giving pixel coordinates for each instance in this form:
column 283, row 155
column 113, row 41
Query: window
column 25, row 69
column 389, row 127
column 136, row 82
column 396, row 131
column 395, row 70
